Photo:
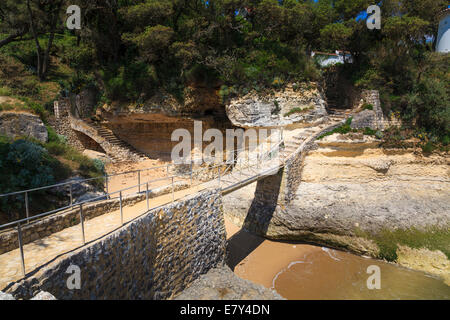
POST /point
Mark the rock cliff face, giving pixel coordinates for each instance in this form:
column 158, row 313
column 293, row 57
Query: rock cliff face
column 22, row 124
column 284, row 107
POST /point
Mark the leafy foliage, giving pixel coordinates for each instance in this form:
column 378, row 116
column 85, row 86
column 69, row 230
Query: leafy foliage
column 25, row 165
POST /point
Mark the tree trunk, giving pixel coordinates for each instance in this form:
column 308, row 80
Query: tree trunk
column 43, row 58
column 46, row 61
column 36, row 40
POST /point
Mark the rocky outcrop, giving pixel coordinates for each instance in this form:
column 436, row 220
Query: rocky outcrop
column 222, row 284
column 433, row 262
column 347, row 190
column 284, row 107
column 198, row 101
column 22, row 124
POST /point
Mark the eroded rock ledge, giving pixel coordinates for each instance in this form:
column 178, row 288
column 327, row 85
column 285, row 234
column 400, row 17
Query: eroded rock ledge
column 351, row 188
column 282, row 108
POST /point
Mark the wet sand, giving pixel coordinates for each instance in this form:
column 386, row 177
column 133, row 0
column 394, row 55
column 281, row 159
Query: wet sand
column 247, row 252
column 306, row 272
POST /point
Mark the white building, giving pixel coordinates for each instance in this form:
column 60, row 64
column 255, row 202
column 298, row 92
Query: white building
column 443, row 39
column 328, row 59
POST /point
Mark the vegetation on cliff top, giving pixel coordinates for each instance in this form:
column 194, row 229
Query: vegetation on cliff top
column 131, row 49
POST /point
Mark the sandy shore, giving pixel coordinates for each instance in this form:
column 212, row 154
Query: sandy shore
column 246, row 251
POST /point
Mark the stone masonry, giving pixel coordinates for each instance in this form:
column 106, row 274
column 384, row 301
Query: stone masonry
column 153, row 257
column 373, row 119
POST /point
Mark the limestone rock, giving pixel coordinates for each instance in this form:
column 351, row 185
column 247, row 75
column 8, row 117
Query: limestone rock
column 6, row 296
column 254, row 110
column 42, row 295
column 346, row 191
column 339, row 140
column 96, row 155
column 222, row 284
column 22, row 124
column 434, row 262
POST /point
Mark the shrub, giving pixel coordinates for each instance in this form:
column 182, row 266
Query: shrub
column 5, row 91
column 298, row 110
column 369, row 132
column 55, row 148
column 367, row 106
column 26, row 165
column 428, row 147
column 344, row 129
column 277, row 108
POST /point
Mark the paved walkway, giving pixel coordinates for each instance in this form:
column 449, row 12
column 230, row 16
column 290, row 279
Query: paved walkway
column 41, row 251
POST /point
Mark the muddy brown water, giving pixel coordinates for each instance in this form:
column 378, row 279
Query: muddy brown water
column 306, row 272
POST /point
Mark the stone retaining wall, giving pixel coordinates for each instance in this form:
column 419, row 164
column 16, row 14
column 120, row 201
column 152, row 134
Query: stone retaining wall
column 153, row 257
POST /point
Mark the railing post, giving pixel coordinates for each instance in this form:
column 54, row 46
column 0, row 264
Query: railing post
column 240, row 165
column 139, row 181
column 121, row 208
column 83, row 237
column 173, row 191
column 71, row 195
column 107, row 186
column 22, row 257
column 146, row 197
column 27, row 210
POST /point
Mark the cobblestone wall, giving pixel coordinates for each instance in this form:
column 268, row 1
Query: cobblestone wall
column 154, row 257
column 61, row 123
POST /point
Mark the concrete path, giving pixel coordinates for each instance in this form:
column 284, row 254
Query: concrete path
column 41, row 251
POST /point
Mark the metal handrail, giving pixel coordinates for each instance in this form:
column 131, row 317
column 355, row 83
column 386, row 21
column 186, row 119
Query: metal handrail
column 103, row 177
column 28, row 219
